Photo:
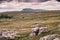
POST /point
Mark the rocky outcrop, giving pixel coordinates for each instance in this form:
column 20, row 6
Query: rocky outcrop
column 8, row 33
column 51, row 37
column 37, row 31
column 57, row 38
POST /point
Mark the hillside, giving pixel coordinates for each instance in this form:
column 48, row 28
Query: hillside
column 19, row 20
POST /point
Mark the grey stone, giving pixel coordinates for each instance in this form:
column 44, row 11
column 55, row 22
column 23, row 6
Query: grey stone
column 50, row 37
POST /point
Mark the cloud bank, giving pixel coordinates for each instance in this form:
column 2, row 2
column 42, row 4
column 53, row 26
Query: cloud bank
column 14, row 6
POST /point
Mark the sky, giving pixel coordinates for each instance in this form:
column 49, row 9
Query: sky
column 58, row 0
column 13, row 6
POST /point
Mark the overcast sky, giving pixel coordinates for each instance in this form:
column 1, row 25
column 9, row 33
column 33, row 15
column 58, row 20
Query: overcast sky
column 13, row 6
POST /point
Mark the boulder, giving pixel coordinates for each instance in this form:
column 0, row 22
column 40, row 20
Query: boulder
column 49, row 37
column 43, row 29
column 35, row 30
column 57, row 38
column 38, row 30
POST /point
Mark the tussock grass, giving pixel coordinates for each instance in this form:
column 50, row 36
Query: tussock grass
column 51, row 19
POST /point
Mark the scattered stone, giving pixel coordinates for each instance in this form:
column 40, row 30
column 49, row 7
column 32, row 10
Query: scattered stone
column 38, row 30
column 57, row 38
column 35, row 30
column 50, row 37
column 8, row 33
column 44, row 29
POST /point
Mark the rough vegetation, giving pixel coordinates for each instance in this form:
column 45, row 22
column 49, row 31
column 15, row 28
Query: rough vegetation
column 51, row 19
column 5, row 16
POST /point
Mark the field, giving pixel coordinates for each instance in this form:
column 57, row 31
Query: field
column 19, row 20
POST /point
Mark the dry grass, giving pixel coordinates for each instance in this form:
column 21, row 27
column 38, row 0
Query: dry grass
column 26, row 20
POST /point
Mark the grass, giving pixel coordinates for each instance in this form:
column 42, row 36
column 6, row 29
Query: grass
column 51, row 19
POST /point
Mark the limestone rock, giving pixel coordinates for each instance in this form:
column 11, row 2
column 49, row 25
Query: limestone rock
column 38, row 30
column 57, row 38
column 50, row 37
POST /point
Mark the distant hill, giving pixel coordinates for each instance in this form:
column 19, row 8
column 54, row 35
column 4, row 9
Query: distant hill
column 27, row 10
column 46, row 11
column 32, row 10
